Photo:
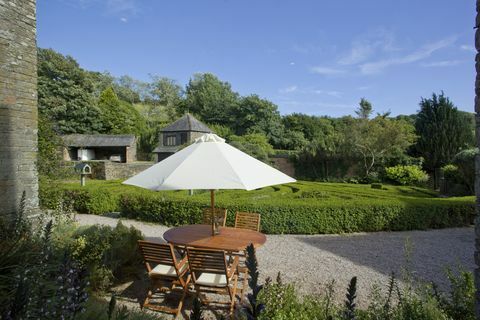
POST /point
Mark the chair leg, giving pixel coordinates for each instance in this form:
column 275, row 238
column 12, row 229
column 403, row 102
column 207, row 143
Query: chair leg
column 244, row 285
column 149, row 295
column 180, row 304
column 233, row 294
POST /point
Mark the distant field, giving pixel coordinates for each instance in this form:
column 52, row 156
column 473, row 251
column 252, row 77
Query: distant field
column 301, row 207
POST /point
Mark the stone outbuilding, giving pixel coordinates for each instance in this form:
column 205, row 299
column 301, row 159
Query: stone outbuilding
column 86, row 147
column 183, row 131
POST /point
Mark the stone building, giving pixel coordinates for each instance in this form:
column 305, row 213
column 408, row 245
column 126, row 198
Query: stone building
column 183, row 131
column 18, row 105
column 86, row 147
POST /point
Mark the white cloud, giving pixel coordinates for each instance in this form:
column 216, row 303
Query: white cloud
column 359, row 52
column 289, row 89
column 292, row 63
column 332, row 93
column 112, row 7
column 326, row 71
column 422, row 53
column 122, row 6
column 123, row 19
column 466, row 47
column 445, row 63
column 367, row 45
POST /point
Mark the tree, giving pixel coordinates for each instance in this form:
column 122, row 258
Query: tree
column 254, row 114
column 129, row 89
column 212, row 100
column 380, row 138
column 119, row 117
column 65, row 94
column 255, row 144
column 443, row 132
column 365, row 109
column 50, row 158
column 166, row 91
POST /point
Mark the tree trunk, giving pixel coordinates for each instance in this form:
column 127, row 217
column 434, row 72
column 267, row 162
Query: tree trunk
column 477, row 164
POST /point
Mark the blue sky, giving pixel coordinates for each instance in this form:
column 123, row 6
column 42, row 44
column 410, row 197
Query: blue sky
column 315, row 57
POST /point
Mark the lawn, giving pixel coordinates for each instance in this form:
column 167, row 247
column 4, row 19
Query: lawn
column 301, row 207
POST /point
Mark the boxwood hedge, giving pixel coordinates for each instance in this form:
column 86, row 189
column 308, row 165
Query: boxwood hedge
column 300, row 208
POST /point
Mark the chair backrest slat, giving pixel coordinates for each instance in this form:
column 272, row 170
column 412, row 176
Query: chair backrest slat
column 157, row 253
column 203, row 260
column 247, row 220
column 220, row 215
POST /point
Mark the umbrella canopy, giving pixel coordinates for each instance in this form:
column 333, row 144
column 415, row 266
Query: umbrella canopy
column 209, row 163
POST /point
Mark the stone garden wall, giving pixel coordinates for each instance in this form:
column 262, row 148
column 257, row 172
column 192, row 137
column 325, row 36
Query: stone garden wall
column 18, row 104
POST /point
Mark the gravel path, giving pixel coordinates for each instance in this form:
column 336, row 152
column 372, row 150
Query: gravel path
column 310, row 261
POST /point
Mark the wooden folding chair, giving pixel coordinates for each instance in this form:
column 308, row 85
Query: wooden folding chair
column 212, row 274
column 163, row 269
column 247, row 220
column 220, row 215
column 250, row 221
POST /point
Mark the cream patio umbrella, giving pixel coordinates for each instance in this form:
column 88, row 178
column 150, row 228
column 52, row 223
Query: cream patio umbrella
column 209, row 163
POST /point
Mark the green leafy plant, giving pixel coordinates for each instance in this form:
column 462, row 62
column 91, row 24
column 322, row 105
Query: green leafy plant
column 197, row 310
column 350, row 305
column 406, row 175
column 254, row 308
column 348, row 208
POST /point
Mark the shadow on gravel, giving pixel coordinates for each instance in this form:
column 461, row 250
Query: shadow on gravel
column 133, row 294
column 426, row 254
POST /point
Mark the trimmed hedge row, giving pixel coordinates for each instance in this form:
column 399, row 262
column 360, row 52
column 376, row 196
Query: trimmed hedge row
column 308, row 216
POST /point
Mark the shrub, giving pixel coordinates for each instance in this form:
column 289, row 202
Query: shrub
column 108, row 253
column 406, row 175
column 302, row 208
column 37, row 281
column 460, row 175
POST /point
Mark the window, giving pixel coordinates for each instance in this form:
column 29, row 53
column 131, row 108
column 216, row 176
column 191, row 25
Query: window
column 183, row 137
column 171, row 140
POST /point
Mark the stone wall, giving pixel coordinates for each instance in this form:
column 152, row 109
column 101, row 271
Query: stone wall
column 477, row 164
column 18, row 104
column 107, row 170
column 115, row 170
column 131, row 153
column 283, row 164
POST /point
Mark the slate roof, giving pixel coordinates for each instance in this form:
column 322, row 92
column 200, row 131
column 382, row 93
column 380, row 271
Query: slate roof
column 99, row 140
column 166, row 149
column 187, row 123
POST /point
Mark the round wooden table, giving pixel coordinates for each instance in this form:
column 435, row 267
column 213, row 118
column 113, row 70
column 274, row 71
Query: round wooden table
column 200, row 235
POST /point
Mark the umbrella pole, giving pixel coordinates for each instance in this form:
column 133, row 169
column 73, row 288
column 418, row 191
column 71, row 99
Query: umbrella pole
column 212, row 204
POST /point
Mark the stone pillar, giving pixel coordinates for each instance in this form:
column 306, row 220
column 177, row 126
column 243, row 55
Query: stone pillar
column 18, row 104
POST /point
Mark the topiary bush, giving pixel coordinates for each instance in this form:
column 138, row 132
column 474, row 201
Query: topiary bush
column 406, row 175
column 302, row 208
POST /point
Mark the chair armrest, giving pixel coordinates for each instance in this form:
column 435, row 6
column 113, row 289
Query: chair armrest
column 233, row 267
column 182, row 265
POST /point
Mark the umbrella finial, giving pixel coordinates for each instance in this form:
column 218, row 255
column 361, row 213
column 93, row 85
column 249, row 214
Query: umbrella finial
column 209, row 137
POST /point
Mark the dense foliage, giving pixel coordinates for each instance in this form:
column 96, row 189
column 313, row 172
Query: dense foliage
column 50, row 268
column 443, row 131
column 406, row 175
column 412, row 301
column 302, row 207
column 74, row 100
column 459, row 177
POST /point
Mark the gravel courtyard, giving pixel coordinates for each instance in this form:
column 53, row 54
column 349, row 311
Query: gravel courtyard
column 310, row 261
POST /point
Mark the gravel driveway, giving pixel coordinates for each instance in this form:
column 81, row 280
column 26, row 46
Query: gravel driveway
column 310, row 261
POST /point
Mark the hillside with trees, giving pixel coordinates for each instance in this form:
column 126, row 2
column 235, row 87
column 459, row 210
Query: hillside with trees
column 351, row 148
